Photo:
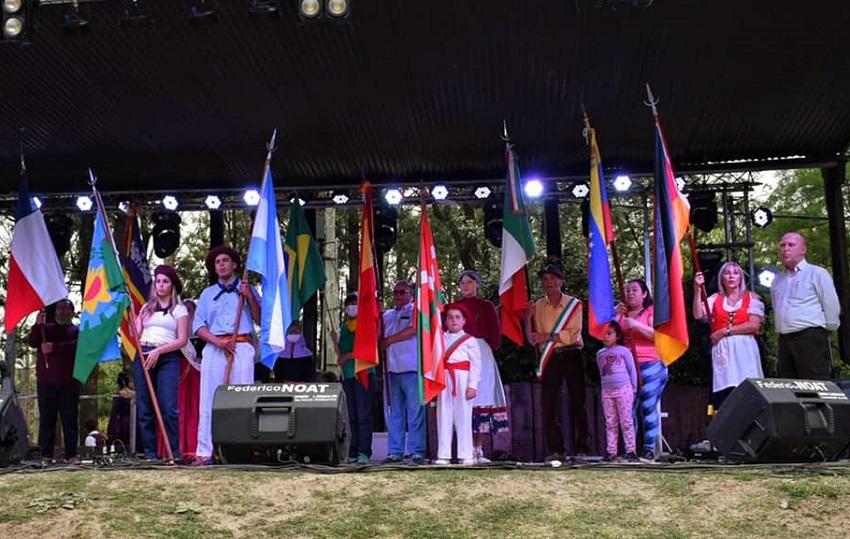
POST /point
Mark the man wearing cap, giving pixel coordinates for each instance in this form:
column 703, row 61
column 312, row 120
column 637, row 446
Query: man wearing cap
column 226, row 340
column 403, row 408
column 554, row 326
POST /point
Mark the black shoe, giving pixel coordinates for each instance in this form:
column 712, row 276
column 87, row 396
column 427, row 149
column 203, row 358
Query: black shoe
column 647, row 455
column 609, row 458
column 632, row 457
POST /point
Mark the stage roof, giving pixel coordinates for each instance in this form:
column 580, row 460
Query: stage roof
column 414, row 91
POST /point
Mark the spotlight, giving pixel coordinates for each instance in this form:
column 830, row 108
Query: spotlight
column 386, row 218
column 338, row 8
column 680, row 183
column 124, row 206
column 580, row 190
column 84, row 202
column 212, row 202
column 703, row 210
column 533, row 188
column 166, row 233
column 73, row 20
column 37, row 202
column 134, row 13
column 59, row 227
column 16, row 20
column 309, row 9
column 340, row 198
column 440, row 192
column 170, row 202
column 493, row 220
column 766, row 277
column 393, row 196
column 264, row 7
column 622, row 183
column 297, row 199
column 251, row 197
column 761, row 217
column 203, row 11
column 482, row 192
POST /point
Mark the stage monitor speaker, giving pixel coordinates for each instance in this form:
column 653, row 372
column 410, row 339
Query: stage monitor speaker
column 779, row 420
column 14, row 438
column 280, row 422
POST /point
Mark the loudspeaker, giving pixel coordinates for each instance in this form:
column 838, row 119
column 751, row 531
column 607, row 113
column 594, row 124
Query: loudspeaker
column 276, row 423
column 14, row 438
column 778, row 420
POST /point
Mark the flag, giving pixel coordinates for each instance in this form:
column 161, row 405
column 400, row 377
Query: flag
column 428, row 306
column 137, row 274
column 671, row 221
column 517, row 248
column 366, row 336
column 104, row 302
column 35, row 275
column 265, row 257
column 600, row 304
column 304, row 264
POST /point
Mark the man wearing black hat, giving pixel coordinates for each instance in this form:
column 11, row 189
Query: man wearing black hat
column 554, row 326
column 226, row 341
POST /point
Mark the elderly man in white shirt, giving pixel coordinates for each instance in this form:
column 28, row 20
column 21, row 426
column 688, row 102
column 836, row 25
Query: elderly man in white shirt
column 806, row 309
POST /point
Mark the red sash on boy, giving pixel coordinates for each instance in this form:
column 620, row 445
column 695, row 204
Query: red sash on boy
column 560, row 323
column 457, row 365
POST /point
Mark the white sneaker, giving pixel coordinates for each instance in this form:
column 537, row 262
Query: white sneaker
column 482, row 460
column 468, row 462
column 442, row 462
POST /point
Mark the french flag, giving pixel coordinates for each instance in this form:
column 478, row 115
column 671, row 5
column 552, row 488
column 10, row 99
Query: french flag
column 35, row 275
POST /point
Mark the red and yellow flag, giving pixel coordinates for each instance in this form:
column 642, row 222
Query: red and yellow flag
column 366, row 336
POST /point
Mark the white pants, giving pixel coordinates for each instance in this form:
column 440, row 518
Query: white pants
column 454, row 413
column 213, row 367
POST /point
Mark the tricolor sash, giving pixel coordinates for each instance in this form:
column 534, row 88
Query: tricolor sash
column 562, row 320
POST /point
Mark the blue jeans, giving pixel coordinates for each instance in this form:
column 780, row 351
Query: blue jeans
column 404, row 406
column 359, row 401
column 164, row 377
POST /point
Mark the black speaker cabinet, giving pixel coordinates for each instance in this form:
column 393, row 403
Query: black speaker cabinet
column 280, row 422
column 778, row 420
column 14, row 439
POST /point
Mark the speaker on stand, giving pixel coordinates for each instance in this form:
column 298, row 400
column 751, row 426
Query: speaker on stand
column 780, row 420
column 280, row 422
column 14, row 435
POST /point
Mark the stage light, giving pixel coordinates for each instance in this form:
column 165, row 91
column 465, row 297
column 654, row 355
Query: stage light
column 251, row 197
column 166, row 233
column 680, row 183
column 170, row 203
column 37, row 202
column 212, row 202
column 203, row 11
column 761, row 217
column 482, row 192
column 580, row 190
column 340, row 197
column 264, row 7
column 338, row 8
column 73, row 20
column 134, row 13
column 493, row 215
column 60, row 228
column 703, row 210
column 300, row 201
column 309, row 9
column 393, row 196
column 440, row 192
column 16, row 20
column 124, row 206
column 84, row 202
column 533, row 188
column 622, row 183
column 386, row 227
column 766, row 277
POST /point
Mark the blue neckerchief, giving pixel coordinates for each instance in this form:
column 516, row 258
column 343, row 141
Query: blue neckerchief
column 227, row 289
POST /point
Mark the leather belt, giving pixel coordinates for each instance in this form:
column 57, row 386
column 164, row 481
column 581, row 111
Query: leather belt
column 245, row 337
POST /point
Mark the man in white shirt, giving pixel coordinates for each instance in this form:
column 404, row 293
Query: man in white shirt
column 806, row 309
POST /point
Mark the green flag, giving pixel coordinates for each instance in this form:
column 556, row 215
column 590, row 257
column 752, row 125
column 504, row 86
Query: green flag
column 104, row 301
column 304, row 264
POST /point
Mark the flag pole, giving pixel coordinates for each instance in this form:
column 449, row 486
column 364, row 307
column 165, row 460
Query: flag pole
column 652, row 101
column 133, row 330
column 241, row 306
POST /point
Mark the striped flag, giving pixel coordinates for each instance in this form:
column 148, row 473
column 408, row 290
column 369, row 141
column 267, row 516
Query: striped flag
column 137, row 273
column 600, row 302
column 265, row 257
column 104, row 301
column 428, row 306
column 517, row 248
column 671, row 221
column 366, row 336
column 35, row 275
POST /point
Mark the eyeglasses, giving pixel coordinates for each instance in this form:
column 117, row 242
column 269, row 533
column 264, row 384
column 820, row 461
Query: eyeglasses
column 399, row 292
